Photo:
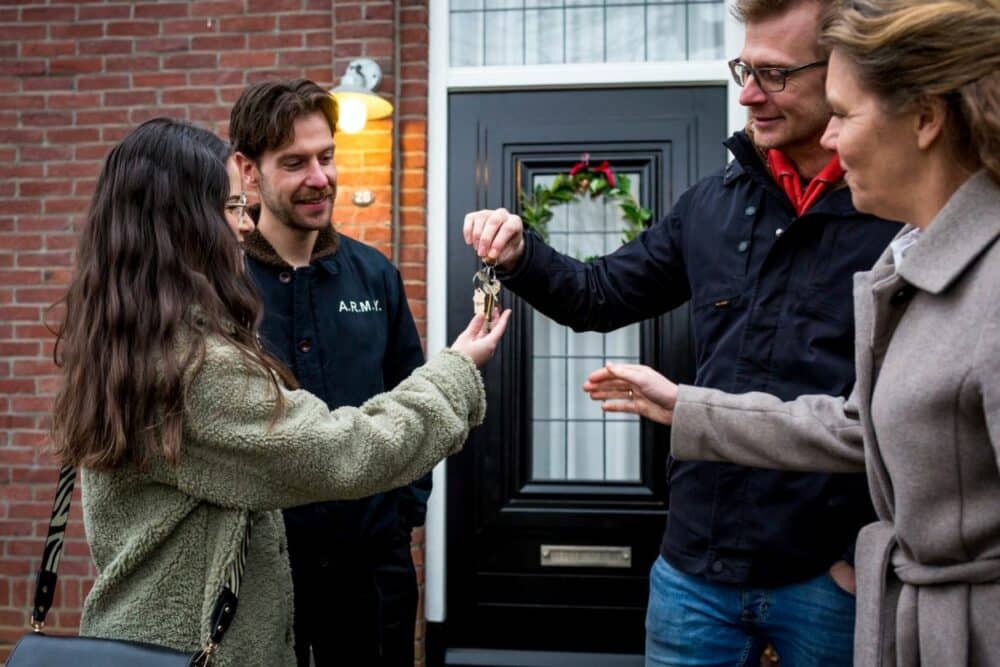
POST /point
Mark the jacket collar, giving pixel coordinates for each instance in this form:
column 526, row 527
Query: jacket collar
column 751, row 162
column 258, row 248
column 968, row 224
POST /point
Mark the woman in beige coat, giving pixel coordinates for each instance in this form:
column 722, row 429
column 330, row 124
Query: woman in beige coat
column 914, row 87
column 186, row 431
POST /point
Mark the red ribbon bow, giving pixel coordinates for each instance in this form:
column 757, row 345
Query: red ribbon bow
column 584, row 165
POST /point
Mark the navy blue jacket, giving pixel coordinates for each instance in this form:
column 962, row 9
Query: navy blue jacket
column 772, row 311
column 343, row 327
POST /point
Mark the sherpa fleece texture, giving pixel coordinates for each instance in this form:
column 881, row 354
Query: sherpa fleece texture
column 161, row 537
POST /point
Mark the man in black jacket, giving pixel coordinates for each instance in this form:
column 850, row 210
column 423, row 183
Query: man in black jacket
column 335, row 313
column 764, row 250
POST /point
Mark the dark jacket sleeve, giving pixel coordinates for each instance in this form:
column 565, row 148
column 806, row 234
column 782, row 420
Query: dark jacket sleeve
column 403, row 355
column 641, row 279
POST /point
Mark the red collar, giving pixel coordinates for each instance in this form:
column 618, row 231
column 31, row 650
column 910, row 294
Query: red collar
column 783, row 172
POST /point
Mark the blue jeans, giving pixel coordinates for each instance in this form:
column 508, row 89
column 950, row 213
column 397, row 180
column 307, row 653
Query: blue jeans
column 691, row 621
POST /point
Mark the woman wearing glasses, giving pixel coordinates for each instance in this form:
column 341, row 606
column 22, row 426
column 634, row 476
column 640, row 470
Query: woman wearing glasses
column 914, row 87
column 185, row 430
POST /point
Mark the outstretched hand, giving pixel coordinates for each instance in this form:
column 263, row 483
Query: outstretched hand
column 476, row 343
column 633, row 388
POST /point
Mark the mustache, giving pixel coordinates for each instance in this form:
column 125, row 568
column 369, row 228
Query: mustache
column 305, row 195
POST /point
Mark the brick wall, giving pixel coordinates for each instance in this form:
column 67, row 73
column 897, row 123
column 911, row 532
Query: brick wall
column 74, row 78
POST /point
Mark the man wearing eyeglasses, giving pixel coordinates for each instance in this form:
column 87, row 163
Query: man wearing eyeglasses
column 765, row 251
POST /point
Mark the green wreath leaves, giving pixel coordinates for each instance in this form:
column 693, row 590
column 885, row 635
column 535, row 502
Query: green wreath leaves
column 583, row 181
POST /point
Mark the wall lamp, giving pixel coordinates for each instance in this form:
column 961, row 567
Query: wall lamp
column 356, row 96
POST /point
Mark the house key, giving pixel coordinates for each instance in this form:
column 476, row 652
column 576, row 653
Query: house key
column 486, row 294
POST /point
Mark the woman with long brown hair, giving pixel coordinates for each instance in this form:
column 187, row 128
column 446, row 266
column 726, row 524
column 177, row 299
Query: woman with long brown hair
column 186, row 432
column 914, row 87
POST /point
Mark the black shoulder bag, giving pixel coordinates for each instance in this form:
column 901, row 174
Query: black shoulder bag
column 40, row 650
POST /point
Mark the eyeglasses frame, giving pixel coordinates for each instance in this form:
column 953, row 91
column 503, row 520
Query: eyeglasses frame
column 784, row 71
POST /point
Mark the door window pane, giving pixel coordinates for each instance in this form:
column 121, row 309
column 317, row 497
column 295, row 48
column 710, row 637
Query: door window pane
column 573, row 439
column 530, row 32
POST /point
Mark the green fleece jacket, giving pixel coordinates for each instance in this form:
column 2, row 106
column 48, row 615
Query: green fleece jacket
column 161, row 537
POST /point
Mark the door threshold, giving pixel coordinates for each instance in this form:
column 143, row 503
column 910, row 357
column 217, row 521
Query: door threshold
column 474, row 657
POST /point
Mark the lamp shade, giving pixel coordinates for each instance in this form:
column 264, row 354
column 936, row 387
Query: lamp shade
column 356, row 95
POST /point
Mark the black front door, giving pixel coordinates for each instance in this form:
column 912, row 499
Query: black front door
column 555, row 511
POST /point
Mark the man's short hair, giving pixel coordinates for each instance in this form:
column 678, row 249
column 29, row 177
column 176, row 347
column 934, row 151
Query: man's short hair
column 263, row 117
column 755, row 10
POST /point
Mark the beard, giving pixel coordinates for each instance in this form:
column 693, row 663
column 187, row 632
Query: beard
column 284, row 210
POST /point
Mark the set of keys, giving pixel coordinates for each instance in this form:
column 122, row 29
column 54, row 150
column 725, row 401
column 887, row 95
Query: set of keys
column 486, row 295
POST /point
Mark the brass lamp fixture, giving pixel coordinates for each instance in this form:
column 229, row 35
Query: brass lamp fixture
column 356, row 96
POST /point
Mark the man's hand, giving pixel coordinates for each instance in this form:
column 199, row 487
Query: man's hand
column 843, row 575
column 496, row 236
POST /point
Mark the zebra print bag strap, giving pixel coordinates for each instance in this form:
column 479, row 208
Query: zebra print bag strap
column 45, row 586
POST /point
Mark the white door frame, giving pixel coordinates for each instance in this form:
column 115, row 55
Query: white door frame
column 443, row 79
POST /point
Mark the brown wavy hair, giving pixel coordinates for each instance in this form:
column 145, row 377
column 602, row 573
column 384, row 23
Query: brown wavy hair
column 909, row 50
column 263, row 118
column 156, row 264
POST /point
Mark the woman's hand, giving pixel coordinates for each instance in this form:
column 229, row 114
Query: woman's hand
column 633, row 388
column 476, row 343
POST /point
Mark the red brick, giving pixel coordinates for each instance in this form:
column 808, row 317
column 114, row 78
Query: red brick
column 364, row 30
column 22, row 101
column 189, row 96
column 320, row 39
column 14, row 170
column 49, row 14
column 131, row 63
column 46, row 49
column 130, row 98
column 133, row 28
column 346, row 13
column 49, row 186
column 75, row 65
column 221, row 77
column 99, row 12
column 107, row 46
column 45, row 153
column 46, row 118
column 161, row 10
column 219, row 43
column 46, row 83
column 69, row 204
column 282, row 40
column 245, row 24
column 313, row 57
column 215, row 9
column 101, row 117
column 137, row 116
column 163, row 44
column 188, row 26
column 73, row 30
column 102, row 82
column 247, row 59
column 290, row 22
column 191, row 61
column 273, row 6
column 22, row 67
column 159, row 79
column 379, row 12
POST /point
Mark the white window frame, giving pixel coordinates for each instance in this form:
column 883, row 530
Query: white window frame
column 444, row 79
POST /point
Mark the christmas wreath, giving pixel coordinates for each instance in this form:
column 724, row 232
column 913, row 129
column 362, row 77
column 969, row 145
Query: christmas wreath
column 584, row 180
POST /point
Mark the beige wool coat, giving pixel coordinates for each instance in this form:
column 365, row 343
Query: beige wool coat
column 923, row 421
column 161, row 537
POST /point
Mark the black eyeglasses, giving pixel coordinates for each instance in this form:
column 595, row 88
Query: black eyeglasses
column 770, row 79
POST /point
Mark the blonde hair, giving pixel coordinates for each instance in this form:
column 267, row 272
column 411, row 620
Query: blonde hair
column 911, row 50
